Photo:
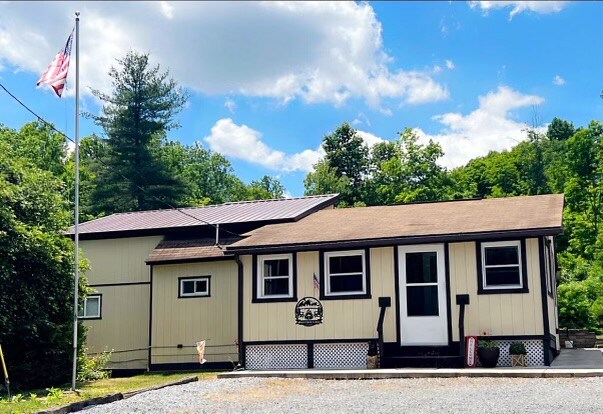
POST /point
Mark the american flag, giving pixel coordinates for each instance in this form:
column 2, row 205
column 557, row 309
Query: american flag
column 316, row 282
column 56, row 74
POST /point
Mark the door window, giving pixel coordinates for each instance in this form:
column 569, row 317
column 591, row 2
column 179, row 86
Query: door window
column 422, row 284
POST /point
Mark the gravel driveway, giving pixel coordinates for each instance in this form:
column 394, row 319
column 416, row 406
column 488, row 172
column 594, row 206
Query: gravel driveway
column 433, row 395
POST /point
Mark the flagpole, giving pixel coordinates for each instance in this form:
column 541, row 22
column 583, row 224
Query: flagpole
column 77, row 196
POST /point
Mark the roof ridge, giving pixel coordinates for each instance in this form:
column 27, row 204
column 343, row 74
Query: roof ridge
column 228, row 203
column 448, row 201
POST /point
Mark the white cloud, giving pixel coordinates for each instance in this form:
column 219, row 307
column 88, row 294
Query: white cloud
column 320, row 52
column 542, row 7
column 489, row 127
column 369, row 139
column 230, row 105
column 559, row 81
column 245, row 143
column 450, row 64
column 361, row 119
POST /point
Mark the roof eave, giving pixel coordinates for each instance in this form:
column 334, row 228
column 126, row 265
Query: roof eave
column 401, row 240
column 155, row 262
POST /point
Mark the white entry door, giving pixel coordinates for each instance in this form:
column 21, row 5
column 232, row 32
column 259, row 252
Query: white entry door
column 423, row 310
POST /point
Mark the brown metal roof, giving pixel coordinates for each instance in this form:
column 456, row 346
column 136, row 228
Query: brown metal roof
column 453, row 218
column 229, row 213
column 171, row 251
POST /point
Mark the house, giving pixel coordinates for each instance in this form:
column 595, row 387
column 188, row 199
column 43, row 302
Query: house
column 294, row 283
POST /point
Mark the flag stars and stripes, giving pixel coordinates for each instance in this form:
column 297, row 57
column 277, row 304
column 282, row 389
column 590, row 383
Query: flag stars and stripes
column 56, row 74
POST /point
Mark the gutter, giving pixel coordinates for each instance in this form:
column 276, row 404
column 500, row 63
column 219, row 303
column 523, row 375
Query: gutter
column 241, row 349
column 389, row 241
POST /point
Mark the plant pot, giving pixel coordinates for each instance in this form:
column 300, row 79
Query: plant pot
column 372, row 361
column 518, row 360
column 488, row 356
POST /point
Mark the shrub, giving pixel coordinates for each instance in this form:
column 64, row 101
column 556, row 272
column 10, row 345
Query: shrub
column 485, row 343
column 36, row 274
column 93, row 367
column 517, row 348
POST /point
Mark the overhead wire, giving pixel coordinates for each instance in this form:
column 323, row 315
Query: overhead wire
column 91, row 154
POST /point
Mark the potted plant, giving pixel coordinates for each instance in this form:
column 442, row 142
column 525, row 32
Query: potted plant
column 372, row 359
column 488, row 353
column 518, row 353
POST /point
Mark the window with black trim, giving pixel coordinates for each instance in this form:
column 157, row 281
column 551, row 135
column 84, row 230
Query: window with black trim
column 501, row 265
column 192, row 287
column 275, row 276
column 91, row 308
column 345, row 273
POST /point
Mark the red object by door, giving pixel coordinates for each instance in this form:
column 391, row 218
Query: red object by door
column 471, row 352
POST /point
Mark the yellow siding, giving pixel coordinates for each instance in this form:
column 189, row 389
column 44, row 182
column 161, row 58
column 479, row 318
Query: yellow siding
column 496, row 314
column 188, row 320
column 124, row 326
column 118, row 260
column 125, row 309
column 343, row 319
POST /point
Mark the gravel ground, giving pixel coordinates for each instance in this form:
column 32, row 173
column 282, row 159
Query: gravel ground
column 426, row 395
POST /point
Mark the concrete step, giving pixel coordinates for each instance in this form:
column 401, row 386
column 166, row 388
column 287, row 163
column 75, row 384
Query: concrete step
column 431, row 361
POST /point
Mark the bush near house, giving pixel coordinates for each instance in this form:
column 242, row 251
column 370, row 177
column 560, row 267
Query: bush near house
column 36, row 273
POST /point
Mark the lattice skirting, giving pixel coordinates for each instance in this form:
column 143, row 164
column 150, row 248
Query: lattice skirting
column 534, row 347
column 263, row 357
column 295, row 356
column 340, row 356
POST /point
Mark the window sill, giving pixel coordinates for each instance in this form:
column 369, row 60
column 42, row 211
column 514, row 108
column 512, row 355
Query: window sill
column 346, row 297
column 193, row 296
column 273, row 300
column 502, row 291
column 90, row 318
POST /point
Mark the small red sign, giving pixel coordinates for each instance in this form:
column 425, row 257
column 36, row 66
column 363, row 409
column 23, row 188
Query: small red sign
column 471, row 351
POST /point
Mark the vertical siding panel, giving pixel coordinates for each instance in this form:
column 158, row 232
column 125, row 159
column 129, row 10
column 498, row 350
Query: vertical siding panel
column 454, row 290
column 537, row 293
column 470, row 272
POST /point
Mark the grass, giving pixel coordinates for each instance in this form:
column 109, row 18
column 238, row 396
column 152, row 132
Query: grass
column 35, row 400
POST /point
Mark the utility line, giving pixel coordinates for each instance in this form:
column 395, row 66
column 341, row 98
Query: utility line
column 91, row 154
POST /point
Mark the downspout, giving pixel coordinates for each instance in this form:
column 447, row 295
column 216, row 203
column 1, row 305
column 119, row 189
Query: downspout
column 241, row 348
column 149, row 356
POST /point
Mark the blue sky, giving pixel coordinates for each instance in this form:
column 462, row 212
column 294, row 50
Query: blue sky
column 267, row 81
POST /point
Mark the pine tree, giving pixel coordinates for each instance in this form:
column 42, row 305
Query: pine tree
column 136, row 116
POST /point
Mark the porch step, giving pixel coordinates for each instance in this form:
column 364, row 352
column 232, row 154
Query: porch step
column 431, row 361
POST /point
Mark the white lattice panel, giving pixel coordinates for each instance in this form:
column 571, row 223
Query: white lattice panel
column 535, row 357
column 340, row 356
column 263, row 357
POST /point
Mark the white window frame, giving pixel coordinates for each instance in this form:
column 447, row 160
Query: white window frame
column 82, row 314
column 194, row 294
column 261, row 294
column 513, row 243
column 328, row 274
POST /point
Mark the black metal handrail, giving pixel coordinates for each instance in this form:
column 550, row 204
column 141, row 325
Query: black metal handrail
column 462, row 301
column 384, row 303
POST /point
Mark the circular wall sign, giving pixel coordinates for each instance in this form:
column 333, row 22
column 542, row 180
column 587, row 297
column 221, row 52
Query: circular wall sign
column 308, row 312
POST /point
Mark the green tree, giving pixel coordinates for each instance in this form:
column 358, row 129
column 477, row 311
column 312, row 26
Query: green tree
column 36, row 270
column 347, row 157
column 560, row 130
column 135, row 118
column 325, row 180
column 265, row 188
column 412, row 173
column 37, row 142
column 208, row 176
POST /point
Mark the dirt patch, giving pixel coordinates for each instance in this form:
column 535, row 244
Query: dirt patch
column 274, row 389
